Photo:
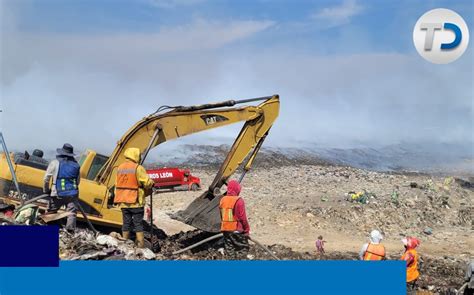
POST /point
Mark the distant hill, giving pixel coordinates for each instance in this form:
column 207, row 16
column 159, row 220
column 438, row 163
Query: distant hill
column 402, row 157
column 430, row 158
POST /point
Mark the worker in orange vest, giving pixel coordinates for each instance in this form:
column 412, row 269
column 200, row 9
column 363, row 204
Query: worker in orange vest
column 234, row 223
column 412, row 259
column 374, row 250
column 130, row 186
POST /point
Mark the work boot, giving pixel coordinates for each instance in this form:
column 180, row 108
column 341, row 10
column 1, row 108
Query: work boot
column 126, row 235
column 140, row 240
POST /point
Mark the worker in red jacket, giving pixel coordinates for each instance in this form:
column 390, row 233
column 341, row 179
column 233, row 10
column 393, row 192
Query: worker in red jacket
column 234, row 223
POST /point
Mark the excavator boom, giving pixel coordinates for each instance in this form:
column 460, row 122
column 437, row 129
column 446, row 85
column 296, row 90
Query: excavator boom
column 98, row 172
column 181, row 121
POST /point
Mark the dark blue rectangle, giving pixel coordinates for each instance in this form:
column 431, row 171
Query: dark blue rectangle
column 29, row 246
column 208, row 277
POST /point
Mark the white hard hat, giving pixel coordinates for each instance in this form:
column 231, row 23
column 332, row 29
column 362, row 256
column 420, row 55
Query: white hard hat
column 376, row 236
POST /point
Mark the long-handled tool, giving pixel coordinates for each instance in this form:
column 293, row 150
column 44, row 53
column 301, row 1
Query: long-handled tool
column 78, row 205
column 263, row 247
column 152, row 141
column 220, row 235
column 198, row 243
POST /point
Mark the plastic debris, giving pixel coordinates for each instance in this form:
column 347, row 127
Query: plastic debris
column 107, row 240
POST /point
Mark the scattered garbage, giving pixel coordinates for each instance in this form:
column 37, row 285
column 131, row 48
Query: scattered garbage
column 145, row 253
column 398, row 209
column 394, row 198
column 428, row 231
column 361, row 197
column 107, row 240
column 448, row 181
column 429, row 186
column 84, row 245
column 27, row 214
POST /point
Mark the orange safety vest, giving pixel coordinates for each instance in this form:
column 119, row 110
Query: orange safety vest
column 374, row 252
column 412, row 269
column 126, row 186
column 227, row 204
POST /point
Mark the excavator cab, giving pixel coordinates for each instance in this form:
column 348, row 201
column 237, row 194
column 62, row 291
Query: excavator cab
column 91, row 163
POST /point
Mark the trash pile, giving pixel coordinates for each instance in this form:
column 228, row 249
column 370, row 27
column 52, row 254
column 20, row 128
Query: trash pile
column 83, row 244
column 440, row 274
column 27, row 215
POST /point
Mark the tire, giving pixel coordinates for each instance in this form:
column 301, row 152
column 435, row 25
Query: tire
column 194, row 187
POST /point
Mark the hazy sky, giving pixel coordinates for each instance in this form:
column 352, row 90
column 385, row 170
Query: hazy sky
column 346, row 71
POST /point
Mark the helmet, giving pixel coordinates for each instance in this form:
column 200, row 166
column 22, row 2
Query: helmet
column 375, row 236
column 38, row 153
column 411, row 242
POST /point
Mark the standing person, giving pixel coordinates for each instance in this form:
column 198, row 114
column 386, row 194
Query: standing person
column 374, row 250
column 64, row 187
column 320, row 246
column 131, row 183
column 412, row 259
column 234, row 223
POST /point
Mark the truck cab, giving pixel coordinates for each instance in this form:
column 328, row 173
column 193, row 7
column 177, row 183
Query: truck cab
column 174, row 179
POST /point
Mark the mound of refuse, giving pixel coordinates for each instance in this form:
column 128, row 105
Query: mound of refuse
column 440, row 275
column 85, row 245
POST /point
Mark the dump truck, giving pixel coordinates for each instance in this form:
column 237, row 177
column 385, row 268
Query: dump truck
column 174, row 178
column 98, row 171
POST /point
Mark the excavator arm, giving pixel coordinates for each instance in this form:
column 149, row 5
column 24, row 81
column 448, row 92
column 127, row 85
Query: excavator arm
column 180, row 121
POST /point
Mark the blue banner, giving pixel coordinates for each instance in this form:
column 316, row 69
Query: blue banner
column 207, row 277
column 29, row 246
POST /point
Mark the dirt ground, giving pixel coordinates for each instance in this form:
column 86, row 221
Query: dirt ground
column 288, row 207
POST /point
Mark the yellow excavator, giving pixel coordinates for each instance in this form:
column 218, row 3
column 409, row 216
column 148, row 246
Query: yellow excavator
column 98, row 172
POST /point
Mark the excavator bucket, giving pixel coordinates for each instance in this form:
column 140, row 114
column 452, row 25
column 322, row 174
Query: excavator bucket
column 203, row 213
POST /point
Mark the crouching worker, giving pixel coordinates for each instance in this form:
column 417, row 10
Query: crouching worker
column 234, row 223
column 131, row 183
column 412, row 259
column 64, row 187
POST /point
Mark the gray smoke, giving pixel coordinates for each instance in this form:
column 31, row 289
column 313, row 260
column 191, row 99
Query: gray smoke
column 88, row 89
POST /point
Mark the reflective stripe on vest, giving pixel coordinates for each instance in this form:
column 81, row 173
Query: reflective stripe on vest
column 412, row 269
column 374, row 252
column 126, row 185
column 226, row 206
column 66, row 180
